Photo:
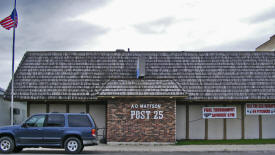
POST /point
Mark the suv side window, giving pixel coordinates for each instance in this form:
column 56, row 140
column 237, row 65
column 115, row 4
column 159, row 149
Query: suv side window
column 79, row 121
column 55, row 120
column 36, row 121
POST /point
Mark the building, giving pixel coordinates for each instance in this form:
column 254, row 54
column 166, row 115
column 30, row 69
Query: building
column 4, row 108
column 20, row 111
column 155, row 96
column 267, row 46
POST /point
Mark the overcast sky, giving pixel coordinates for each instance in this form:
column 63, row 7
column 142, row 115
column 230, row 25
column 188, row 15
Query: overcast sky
column 174, row 25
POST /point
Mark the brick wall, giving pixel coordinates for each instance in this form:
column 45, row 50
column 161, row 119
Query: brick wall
column 141, row 120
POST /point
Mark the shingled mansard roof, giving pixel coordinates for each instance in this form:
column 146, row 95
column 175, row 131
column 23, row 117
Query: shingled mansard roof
column 84, row 76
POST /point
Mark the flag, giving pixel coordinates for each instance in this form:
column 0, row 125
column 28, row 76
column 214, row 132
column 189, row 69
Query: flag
column 10, row 21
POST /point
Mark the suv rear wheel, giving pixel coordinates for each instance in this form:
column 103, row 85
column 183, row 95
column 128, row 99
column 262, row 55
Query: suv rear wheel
column 6, row 144
column 73, row 145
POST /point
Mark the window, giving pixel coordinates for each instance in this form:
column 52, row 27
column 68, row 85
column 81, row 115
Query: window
column 36, row 121
column 16, row 111
column 79, row 121
column 55, row 121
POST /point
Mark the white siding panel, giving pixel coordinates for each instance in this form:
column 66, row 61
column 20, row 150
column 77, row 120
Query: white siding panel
column 234, row 126
column 37, row 108
column 181, row 121
column 77, row 108
column 57, row 108
column 196, row 122
column 251, row 127
column 268, row 126
column 215, row 128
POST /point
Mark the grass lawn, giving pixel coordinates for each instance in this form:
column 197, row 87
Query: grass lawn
column 227, row 142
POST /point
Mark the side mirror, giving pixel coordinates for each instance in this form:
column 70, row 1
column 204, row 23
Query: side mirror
column 24, row 125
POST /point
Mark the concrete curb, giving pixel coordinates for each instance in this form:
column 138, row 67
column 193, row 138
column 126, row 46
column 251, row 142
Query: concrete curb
column 181, row 148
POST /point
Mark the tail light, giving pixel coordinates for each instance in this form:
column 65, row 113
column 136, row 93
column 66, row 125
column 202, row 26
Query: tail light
column 93, row 132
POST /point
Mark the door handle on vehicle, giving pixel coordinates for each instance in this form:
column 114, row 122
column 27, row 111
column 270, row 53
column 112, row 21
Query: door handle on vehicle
column 38, row 129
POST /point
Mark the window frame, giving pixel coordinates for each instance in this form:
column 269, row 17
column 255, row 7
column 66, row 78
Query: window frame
column 90, row 123
column 47, row 120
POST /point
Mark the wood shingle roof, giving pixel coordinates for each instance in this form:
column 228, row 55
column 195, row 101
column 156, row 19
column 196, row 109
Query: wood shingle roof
column 83, row 75
column 141, row 87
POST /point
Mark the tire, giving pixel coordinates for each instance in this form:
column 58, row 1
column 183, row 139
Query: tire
column 17, row 149
column 73, row 145
column 6, row 144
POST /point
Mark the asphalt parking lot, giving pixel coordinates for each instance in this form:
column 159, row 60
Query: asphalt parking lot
column 61, row 152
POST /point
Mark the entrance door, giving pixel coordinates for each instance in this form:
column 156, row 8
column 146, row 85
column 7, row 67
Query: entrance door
column 98, row 112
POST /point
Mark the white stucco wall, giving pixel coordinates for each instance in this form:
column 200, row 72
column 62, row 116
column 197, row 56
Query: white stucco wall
column 251, row 127
column 196, row 122
column 268, row 122
column 19, row 118
column 234, row 125
column 181, row 121
column 4, row 112
column 77, row 108
column 61, row 108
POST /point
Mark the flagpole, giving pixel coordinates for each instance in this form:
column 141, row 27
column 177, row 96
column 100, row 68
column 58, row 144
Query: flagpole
column 12, row 79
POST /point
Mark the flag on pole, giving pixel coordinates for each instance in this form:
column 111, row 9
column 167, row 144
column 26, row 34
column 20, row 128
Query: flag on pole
column 10, row 21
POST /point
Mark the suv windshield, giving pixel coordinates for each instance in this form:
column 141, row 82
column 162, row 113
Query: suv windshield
column 36, row 121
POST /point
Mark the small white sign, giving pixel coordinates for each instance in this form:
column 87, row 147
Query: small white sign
column 219, row 112
column 260, row 109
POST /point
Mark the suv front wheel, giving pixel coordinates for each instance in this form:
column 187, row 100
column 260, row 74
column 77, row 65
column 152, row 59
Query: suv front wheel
column 6, row 144
column 73, row 145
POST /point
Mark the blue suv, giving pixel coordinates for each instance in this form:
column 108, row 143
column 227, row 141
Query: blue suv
column 51, row 130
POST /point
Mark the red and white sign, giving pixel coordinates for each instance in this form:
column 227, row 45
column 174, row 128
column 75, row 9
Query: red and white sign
column 219, row 112
column 260, row 109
